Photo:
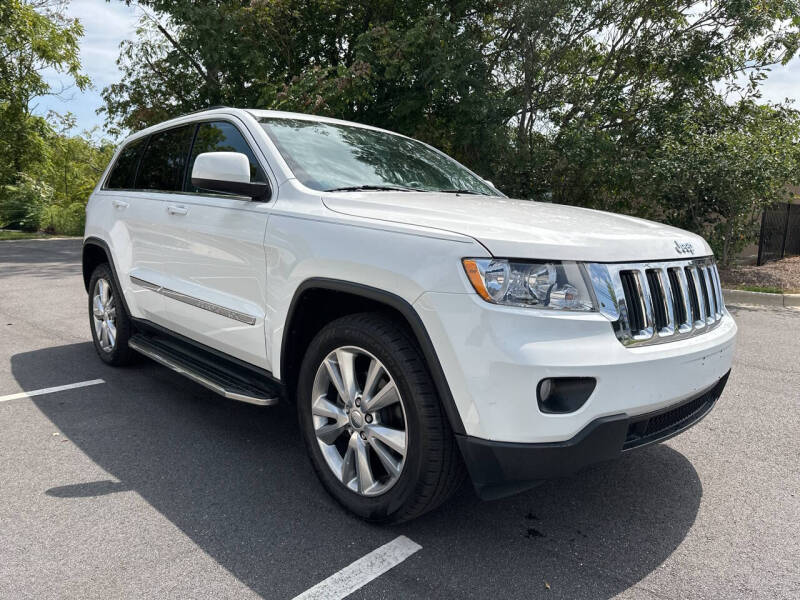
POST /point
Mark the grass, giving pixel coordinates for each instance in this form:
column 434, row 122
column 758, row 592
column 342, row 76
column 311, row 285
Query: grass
column 13, row 234
column 764, row 289
column 7, row 234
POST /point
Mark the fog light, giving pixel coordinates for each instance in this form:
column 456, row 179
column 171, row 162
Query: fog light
column 559, row 395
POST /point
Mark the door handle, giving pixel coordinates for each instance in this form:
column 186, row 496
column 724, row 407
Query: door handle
column 119, row 204
column 177, row 210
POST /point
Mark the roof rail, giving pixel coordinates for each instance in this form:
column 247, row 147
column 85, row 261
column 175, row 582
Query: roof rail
column 206, row 108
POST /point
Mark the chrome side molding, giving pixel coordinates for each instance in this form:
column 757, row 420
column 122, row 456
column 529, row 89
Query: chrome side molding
column 197, row 302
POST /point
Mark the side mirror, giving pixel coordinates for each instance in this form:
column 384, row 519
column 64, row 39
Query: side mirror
column 227, row 172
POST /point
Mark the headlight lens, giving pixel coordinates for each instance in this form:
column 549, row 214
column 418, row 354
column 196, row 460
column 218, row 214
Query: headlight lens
column 554, row 285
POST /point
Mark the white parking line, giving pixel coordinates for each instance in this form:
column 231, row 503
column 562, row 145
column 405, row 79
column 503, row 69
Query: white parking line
column 362, row 571
column 50, row 390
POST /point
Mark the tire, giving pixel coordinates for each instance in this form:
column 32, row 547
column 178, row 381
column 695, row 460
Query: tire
column 111, row 347
column 430, row 465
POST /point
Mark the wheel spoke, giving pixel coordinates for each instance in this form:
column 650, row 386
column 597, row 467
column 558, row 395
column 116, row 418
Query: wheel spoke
column 364, row 471
column 386, row 396
column 373, row 374
column 330, row 432
column 103, row 286
column 111, row 333
column 97, row 308
column 104, row 334
column 393, row 467
column 347, row 368
column 394, row 438
column 348, row 473
column 340, row 370
column 323, row 407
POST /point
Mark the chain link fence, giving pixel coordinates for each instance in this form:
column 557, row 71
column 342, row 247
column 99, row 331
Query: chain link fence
column 780, row 233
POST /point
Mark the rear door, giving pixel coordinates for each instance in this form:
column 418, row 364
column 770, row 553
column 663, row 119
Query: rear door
column 213, row 256
column 126, row 210
column 159, row 179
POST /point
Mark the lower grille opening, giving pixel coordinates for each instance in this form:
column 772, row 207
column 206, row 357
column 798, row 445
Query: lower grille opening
column 646, row 429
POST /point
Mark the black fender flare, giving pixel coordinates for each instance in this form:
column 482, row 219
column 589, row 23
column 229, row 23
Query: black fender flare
column 411, row 316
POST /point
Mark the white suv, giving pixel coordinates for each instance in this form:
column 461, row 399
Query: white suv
column 423, row 322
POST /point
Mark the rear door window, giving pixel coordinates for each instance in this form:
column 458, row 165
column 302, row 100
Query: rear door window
column 221, row 136
column 123, row 175
column 163, row 165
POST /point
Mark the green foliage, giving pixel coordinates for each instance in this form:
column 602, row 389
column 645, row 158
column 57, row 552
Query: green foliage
column 764, row 289
column 717, row 179
column 66, row 220
column 607, row 103
column 46, row 175
column 22, row 203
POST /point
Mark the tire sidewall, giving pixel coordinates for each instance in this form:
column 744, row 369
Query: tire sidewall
column 376, row 508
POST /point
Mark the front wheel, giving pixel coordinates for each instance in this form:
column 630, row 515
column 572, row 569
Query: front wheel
column 372, row 422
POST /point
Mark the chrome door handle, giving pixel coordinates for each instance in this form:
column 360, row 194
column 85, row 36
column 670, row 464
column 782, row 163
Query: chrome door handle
column 119, row 204
column 177, row 210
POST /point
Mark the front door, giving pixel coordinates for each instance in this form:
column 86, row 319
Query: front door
column 214, row 261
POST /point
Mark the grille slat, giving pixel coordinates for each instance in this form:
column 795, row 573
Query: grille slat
column 678, row 302
column 635, row 308
column 705, row 292
column 658, row 298
column 697, row 317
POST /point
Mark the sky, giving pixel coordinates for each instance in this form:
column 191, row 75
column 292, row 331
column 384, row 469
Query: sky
column 107, row 24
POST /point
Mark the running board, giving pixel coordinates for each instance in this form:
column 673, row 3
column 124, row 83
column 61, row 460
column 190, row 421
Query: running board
column 228, row 381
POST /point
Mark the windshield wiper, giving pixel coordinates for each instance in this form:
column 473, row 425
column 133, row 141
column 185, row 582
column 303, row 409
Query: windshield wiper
column 462, row 192
column 371, row 188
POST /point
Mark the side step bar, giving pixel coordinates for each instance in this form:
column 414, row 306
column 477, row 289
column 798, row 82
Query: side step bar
column 210, row 372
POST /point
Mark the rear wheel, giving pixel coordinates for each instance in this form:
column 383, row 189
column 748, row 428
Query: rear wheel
column 373, row 425
column 110, row 324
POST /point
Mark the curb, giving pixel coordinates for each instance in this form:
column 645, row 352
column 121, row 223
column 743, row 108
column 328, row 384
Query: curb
column 760, row 298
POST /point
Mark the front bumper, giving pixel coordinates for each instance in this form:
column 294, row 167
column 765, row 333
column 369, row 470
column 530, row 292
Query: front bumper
column 498, row 469
column 493, row 358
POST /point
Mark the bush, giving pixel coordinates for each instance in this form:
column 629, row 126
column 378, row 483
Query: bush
column 66, row 220
column 23, row 203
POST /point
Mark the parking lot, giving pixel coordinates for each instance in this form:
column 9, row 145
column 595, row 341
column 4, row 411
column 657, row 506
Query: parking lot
column 145, row 485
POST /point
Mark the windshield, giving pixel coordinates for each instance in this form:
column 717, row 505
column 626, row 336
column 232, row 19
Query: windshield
column 330, row 156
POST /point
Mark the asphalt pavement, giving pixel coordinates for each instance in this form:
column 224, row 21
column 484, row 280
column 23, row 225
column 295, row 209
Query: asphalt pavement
column 149, row 486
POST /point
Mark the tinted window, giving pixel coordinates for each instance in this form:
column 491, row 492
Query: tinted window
column 164, row 161
column 124, row 172
column 222, row 137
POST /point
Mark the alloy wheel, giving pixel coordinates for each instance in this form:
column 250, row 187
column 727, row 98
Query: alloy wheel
column 359, row 420
column 104, row 315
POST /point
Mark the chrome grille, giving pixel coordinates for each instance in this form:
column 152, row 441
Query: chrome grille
column 658, row 302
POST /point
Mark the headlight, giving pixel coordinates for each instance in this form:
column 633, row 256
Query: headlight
column 555, row 285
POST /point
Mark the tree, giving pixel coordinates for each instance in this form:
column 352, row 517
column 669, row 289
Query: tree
column 577, row 101
column 34, row 36
column 45, row 175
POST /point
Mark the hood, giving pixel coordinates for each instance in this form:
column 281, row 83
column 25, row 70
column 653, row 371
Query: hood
column 525, row 229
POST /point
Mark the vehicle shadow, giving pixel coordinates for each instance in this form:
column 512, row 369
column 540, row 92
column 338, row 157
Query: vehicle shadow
column 236, row 480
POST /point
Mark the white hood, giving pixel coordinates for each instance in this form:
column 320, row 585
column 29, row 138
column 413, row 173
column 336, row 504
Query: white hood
column 525, row 229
